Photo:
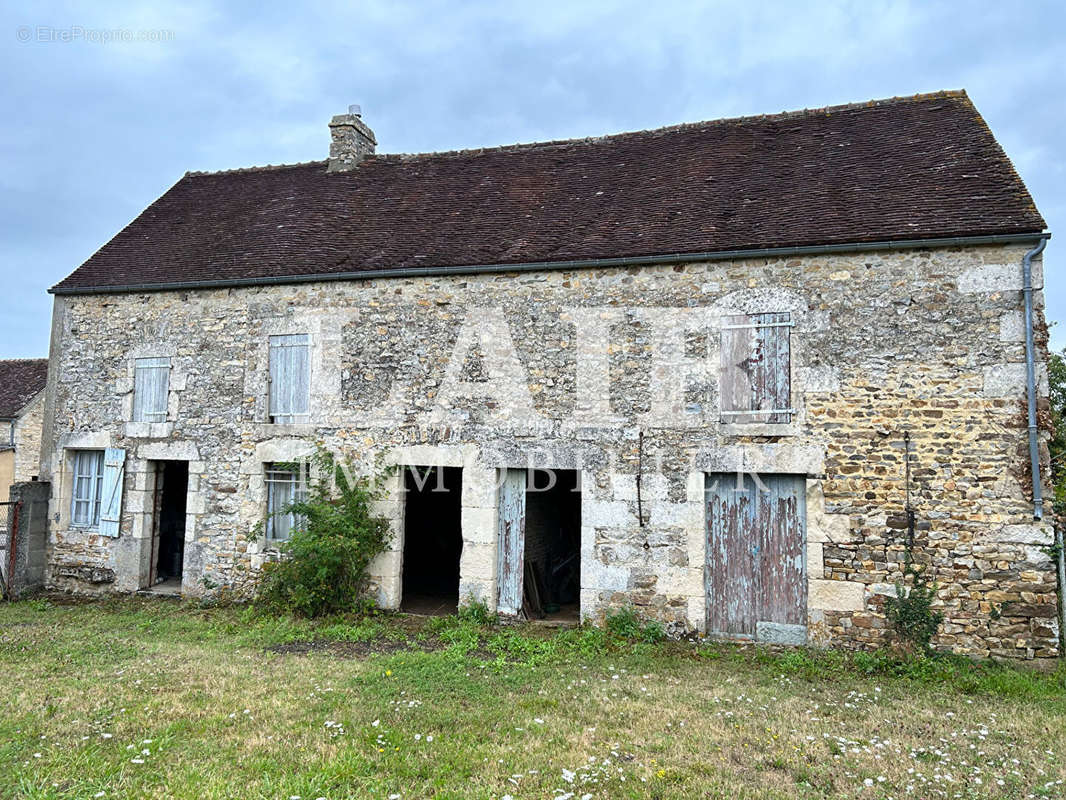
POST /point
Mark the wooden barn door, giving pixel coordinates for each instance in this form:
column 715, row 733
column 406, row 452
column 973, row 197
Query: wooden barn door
column 511, row 544
column 756, row 576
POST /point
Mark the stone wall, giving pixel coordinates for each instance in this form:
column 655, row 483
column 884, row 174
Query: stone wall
column 565, row 370
column 28, row 439
column 30, row 538
column 7, row 470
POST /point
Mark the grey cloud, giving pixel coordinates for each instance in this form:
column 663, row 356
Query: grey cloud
column 95, row 132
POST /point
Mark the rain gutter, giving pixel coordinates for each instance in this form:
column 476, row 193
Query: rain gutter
column 538, row 266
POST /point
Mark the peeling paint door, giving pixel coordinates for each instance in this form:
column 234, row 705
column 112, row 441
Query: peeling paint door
column 512, row 524
column 756, row 576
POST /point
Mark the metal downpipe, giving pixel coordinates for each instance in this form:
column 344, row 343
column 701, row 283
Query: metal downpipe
column 1030, row 377
column 1060, row 564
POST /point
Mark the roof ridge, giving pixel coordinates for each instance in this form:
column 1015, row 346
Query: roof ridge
column 550, row 143
column 194, row 173
column 749, row 118
column 26, row 360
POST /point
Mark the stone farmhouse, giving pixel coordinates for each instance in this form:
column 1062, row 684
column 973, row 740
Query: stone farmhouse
column 706, row 370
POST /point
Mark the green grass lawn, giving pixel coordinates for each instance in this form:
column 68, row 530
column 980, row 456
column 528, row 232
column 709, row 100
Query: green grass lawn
column 149, row 698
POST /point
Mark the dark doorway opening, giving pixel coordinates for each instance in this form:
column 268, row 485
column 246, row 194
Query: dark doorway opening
column 171, row 491
column 433, row 539
column 553, row 542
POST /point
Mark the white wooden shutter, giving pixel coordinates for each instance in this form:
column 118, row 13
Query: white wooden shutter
column 111, row 497
column 290, row 378
column 151, row 385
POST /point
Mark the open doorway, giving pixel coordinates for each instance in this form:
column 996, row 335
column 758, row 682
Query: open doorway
column 540, row 544
column 168, row 536
column 433, row 539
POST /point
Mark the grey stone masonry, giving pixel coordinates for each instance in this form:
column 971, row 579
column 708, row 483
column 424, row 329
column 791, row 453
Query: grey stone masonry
column 30, row 538
column 605, row 371
column 350, row 142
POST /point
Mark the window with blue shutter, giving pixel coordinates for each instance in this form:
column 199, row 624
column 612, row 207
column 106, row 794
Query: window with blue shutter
column 151, row 384
column 755, row 368
column 87, row 474
column 290, row 378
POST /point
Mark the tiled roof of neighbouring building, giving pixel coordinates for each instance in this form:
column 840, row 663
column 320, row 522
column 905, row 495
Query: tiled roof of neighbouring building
column 21, row 379
column 906, row 168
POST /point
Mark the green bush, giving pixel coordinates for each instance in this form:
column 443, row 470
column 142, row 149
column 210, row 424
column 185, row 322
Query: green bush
column 324, row 563
column 911, row 611
column 476, row 612
column 626, row 623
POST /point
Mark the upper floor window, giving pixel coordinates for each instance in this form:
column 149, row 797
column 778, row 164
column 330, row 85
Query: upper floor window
column 87, row 491
column 151, row 384
column 290, row 378
column 283, row 488
column 755, row 374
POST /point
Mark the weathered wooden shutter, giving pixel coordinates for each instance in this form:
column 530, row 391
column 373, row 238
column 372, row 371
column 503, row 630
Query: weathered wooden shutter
column 290, row 378
column 511, row 546
column 111, row 496
column 756, row 576
column 755, row 368
column 151, row 385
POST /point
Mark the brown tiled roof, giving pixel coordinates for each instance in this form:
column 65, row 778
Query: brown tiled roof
column 20, row 381
column 906, row 168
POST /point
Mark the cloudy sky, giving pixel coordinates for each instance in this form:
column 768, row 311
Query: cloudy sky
column 94, row 130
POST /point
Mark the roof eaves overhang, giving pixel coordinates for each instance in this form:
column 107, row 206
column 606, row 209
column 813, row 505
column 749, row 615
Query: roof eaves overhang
column 592, row 263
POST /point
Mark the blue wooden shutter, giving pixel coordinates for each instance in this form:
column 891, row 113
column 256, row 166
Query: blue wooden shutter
column 773, row 375
column 111, row 496
column 511, row 544
column 150, row 388
column 290, row 378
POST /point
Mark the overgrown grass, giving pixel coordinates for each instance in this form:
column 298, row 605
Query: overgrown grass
column 226, row 705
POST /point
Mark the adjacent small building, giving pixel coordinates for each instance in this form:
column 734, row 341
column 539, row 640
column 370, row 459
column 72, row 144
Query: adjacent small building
column 704, row 370
column 22, row 383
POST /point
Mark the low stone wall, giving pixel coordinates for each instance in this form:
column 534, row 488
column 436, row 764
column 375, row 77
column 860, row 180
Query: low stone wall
column 29, row 539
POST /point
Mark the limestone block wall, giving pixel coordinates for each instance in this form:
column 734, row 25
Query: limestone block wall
column 7, row 471
column 27, row 435
column 566, row 370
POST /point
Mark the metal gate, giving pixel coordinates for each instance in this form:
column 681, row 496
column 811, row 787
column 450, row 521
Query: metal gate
column 9, row 521
column 756, row 576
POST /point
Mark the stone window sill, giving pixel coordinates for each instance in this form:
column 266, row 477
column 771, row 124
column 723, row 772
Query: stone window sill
column 149, row 430
column 274, row 429
column 759, row 429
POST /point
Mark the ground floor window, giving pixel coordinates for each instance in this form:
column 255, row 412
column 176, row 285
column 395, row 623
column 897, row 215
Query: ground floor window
column 88, row 473
column 283, row 488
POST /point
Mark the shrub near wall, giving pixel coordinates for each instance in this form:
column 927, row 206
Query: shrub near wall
column 324, row 565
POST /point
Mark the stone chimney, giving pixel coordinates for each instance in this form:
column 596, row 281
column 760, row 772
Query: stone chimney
column 350, row 140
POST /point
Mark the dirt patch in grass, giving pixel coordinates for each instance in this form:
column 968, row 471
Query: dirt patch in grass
column 374, row 647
